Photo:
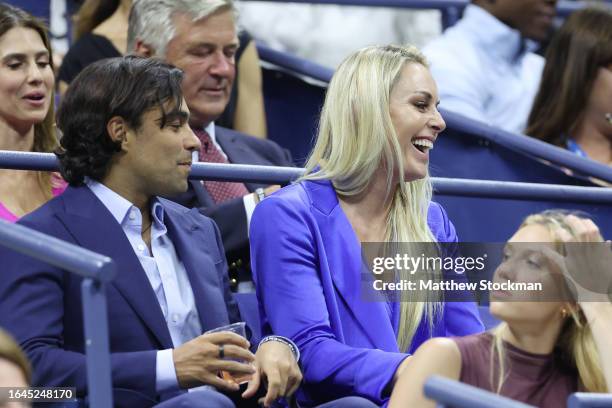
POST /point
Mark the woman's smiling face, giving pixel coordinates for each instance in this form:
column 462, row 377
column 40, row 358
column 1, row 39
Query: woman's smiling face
column 26, row 77
column 415, row 118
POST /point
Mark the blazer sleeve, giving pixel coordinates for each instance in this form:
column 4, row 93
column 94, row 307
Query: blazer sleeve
column 32, row 310
column 293, row 303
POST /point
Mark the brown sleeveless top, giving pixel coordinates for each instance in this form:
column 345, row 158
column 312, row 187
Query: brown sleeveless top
column 535, row 379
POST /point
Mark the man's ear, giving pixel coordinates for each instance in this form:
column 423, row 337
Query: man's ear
column 142, row 50
column 117, row 129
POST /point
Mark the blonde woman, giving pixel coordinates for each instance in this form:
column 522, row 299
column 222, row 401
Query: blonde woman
column 543, row 350
column 366, row 181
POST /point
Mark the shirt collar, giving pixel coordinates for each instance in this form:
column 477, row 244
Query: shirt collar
column 116, row 204
column 499, row 38
column 119, row 206
column 210, row 129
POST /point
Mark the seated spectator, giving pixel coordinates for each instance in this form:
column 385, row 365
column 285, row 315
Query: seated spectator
column 15, row 369
column 201, row 39
column 543, row 350
column 101, row 30
column 328, row 33
column 366, row 181
column 573, row 108
column 26, row 110
column 126, row 141
column 483, row 64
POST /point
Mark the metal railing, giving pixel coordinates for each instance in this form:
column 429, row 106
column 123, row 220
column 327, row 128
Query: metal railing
column 285, row 175
column 96, row 270
column 453, row 394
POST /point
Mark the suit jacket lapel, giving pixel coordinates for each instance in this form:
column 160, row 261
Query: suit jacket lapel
column 348, row 272
column 94, row 227
column 237, row 153
column 202, row 195
column 189, row 235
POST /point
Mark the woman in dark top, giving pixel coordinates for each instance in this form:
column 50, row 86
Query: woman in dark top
column 548, row 345
column 573, row 108
column 101, row 32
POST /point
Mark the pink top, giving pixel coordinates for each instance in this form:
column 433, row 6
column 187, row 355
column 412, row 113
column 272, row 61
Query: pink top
column 58, row 185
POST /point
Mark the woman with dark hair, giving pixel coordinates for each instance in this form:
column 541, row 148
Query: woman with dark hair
column 26, row 110
column 573, row 108
column 100, row 31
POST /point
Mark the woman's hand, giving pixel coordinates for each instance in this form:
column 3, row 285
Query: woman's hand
column 588, row 261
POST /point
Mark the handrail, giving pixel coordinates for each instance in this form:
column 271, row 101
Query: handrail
column 527, row 145
column 298, row 65
column 522, row 191
column 453, row 394
column 285, row 175
column 589, row 400
column 96, row 270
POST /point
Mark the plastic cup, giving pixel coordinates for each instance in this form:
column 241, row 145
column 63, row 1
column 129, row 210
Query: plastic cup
column 240, row 329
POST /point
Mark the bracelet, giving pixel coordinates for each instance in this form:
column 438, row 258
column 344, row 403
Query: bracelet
column 285, row 341
column 261, row 194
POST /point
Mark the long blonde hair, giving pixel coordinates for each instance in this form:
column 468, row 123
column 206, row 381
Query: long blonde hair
column 356, row 136
column 575, row 343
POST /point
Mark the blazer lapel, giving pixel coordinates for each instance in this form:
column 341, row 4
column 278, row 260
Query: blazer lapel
column 237, row 153
column 194, row 242
column 347, row 269
column 94, row 227
column 202, row 195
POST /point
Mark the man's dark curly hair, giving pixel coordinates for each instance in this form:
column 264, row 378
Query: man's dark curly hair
column 126, row 87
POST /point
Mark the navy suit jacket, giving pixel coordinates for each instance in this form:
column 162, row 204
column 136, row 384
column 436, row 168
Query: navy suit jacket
column 41, row 305
column 230, row 216
column 307, row 267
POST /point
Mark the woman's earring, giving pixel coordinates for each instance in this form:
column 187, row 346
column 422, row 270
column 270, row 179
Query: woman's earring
column 564, row 313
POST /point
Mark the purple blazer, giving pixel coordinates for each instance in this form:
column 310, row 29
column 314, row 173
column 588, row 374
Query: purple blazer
column 307, row 266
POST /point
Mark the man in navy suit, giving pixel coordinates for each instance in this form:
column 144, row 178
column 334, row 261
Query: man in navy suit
column 200, row 37
column 126, row 141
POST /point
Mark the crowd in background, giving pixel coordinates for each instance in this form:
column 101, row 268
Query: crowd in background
column 147, row 87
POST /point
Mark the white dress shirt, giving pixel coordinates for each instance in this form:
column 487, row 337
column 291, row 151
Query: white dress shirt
column 165, row 272
column 484, row 70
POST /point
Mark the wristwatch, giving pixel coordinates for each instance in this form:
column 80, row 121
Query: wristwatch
column 261, row 194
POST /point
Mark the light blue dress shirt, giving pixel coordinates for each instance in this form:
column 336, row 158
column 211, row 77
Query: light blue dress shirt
column 165, row 272
column 485, row 71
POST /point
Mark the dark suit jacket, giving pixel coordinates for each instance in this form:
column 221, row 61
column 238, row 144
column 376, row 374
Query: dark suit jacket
column 41, row 305
column 230, row 216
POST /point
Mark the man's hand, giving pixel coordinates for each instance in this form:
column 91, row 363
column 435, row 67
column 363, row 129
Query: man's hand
column 276, row 365
column 198, row 362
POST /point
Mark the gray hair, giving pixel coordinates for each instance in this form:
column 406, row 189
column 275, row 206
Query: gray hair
column 151, row 20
